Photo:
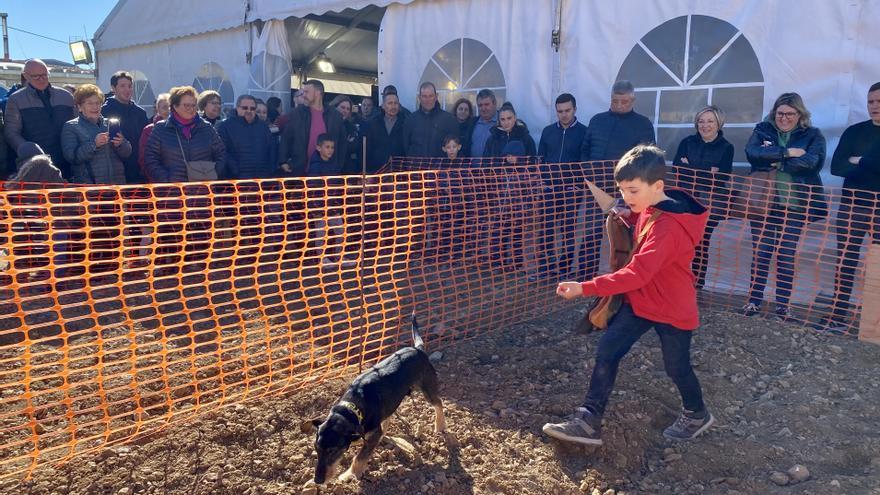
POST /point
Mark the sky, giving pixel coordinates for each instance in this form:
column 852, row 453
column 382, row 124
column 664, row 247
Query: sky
column 59, row 19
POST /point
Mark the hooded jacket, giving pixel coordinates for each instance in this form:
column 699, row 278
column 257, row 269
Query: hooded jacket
column 498, row 139
column 658, row 282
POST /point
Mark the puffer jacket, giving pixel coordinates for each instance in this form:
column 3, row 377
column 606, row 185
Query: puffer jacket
column 498, row 139
column 804, row 170
column 163, row 161
column 251, row 150
column 610, row 135
column 91, row 164
column 28, row 119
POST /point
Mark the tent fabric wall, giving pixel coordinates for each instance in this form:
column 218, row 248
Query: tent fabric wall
column 176, row 62
column 131, row 24
column 411, row 34
column 282, row 9
column 270, row 64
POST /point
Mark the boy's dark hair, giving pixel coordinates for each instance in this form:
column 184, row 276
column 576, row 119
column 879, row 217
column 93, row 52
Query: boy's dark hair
column 323, row 138
column 874, row 87
column 646, row 162
column 114, row 79
column 565, row 98
column 451, row 137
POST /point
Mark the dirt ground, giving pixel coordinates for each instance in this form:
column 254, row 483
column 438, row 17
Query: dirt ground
column 782, row 395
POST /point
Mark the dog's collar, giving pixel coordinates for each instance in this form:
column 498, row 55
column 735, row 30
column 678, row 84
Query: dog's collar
column 354, row 410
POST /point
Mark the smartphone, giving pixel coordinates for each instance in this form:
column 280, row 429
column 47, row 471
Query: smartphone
column 113, row 128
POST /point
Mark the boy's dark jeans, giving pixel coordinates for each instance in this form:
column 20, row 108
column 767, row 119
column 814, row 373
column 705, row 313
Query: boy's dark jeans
column 624, row 330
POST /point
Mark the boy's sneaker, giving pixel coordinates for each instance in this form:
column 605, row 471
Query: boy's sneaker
column 583, row 428
column 751, row 309
column 783, row 313
column 687, row 426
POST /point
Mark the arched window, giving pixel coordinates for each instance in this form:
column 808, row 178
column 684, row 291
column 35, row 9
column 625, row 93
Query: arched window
column 143, row 92
column 212, row 76
column 687, row 63
column 461, row 68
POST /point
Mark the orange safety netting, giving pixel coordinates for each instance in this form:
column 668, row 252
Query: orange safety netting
column 125, row 308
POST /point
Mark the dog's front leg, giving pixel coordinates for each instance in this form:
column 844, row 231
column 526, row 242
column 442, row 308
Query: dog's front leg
column 439, row 418
column 359, row 464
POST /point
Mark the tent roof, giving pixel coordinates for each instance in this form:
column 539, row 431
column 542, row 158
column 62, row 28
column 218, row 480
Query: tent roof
column 130, row 24
column 282, row 9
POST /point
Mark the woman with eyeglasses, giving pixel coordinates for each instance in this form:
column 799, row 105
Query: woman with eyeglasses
column 788, row 146
column 182, row 148
column 96, row 156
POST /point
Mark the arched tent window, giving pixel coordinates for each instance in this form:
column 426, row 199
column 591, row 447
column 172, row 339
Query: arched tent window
column 461, row 68
column 687, row 63
column 143, row 92
column 212, row 76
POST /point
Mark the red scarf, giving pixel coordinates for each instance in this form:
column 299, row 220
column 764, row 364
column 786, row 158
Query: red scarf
column 185, row 126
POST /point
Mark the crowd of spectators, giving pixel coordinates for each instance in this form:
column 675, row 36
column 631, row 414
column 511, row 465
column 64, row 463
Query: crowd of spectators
column 90, row 138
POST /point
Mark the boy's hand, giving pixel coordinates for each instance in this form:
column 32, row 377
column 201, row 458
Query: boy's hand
column 569, row 290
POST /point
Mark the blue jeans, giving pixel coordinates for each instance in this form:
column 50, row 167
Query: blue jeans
column 625, row 330
column 780, row 233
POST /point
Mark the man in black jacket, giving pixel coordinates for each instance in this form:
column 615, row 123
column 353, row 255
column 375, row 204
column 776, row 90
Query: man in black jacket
column 385, row 133
column 609, row 135
column 425, row 128
column 132, row 120
column 857, row 160
column 307, row 122
column 37, row 112
column 251, row 152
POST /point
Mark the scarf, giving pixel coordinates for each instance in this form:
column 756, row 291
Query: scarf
column 186, row 127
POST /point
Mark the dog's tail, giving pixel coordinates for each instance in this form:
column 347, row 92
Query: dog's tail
column 418, row 343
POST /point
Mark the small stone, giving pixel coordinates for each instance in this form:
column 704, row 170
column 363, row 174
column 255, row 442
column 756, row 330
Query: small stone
column 835, row 483
column 436, row 356
column 799, row 473
column 785, row 432
column 498, row 405
column 778, row 478
column 310, row 490
column 610, row 491
column 124, row 491
column 671, row 458
column 836, row 349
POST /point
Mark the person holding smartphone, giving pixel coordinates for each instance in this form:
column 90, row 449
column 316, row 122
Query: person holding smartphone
column 93, row 145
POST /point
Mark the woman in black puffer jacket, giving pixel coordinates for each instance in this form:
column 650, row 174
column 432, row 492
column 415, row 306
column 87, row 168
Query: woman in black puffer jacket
column 509, row 129
column 183, row 137
column 786, row 143
column 705, row 162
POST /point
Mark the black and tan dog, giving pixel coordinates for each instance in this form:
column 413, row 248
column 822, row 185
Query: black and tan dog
column 369, row 401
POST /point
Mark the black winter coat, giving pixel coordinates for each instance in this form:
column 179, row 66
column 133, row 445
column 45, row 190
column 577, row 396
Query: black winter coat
column 251, row 150
column 498, row 139
column 804, row 169
column 163, row 161
column 295, row 138
column 423, row 132
column 132, row 120
column 382, row 145
column 696, row 174
column 610, row 135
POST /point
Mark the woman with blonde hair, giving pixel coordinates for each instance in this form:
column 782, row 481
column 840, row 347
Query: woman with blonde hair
column 96, row 156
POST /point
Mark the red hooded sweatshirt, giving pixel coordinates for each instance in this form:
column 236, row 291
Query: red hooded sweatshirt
column 658, row 282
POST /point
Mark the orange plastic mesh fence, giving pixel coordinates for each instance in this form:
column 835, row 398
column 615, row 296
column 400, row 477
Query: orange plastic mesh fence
column 127, row 308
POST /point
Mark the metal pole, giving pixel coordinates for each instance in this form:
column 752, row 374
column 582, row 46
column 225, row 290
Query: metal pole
column 3, row 16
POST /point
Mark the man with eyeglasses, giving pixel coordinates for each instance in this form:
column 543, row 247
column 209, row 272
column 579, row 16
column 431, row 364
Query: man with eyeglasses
column 37, row 112
column 251, row 152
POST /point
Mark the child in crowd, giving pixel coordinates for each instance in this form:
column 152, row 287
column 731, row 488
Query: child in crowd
column 320, row 165
column 327, row 212
column 451, row 146
column 658, row 286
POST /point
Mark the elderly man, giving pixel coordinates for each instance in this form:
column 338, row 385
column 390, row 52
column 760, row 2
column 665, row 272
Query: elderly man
column 37, row 112
column 424, row 129
column 132, row 120
column 251, row 152
column 478, row 134
column 609, row 135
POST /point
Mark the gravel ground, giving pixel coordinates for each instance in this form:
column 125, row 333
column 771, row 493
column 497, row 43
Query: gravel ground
column 796, row 413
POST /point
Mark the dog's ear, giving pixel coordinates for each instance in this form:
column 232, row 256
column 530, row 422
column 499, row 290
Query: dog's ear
column 310, row 425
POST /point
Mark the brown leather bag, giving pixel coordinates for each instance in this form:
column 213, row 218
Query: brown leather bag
column 752, row 195
column 602, row 309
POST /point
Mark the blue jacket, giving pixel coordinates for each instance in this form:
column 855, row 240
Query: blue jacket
column 251, row 152
column 562, row 145
column 163, row 161
column 89, row 164
column 38, row 118
column 610, row 135
column 320, row 168
column 132, row 120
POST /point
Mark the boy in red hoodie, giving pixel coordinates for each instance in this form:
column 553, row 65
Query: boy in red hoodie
column 658, row 287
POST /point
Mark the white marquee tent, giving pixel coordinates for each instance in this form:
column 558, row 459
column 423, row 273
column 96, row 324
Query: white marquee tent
column 680, row 54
